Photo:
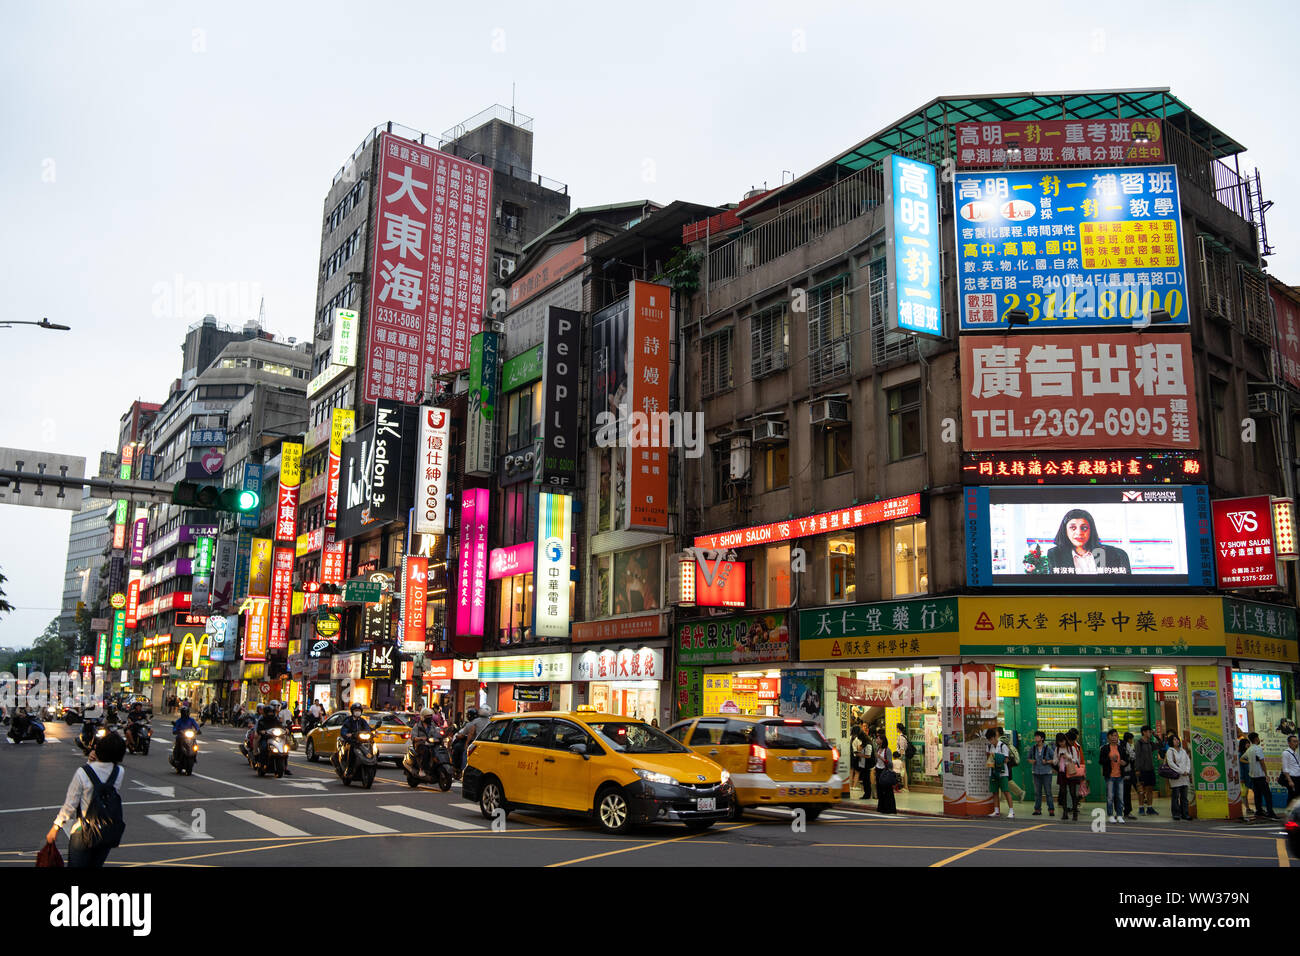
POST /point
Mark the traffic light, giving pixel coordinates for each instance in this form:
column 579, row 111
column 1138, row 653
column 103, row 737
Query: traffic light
column 191, row 494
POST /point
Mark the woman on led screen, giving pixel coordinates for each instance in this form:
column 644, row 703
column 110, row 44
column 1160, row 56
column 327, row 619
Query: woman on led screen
column 1079, row 549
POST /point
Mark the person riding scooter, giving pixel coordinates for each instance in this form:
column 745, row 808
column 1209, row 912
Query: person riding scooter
column 424, row 735
column 135, row 720
column 353, row 725
column 268, row 721
column 184, row 722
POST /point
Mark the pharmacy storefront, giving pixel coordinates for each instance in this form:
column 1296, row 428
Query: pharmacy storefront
column 949, row 669
column 731, row 664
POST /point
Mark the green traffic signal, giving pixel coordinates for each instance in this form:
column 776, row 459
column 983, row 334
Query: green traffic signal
column 214, row 498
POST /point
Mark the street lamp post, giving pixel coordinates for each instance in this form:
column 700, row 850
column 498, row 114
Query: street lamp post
column 45, row 323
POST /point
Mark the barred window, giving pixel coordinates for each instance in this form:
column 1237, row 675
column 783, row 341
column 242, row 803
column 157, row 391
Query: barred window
column 1216, row 278
column 829, row 330
column 769, row 332
column 715, row 363
column 887, row 345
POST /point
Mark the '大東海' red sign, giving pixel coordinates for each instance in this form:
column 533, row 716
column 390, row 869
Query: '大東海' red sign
column 429, row 280
column 1109, row 390
column 906, row 506
column 1067, row 142
column 281, row 598
column 1244, row 555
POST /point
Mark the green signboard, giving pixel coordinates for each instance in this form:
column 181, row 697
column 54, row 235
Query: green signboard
column 759, row 638
column 893, row 629
column 202, row 555
column 1259, row 620
column 522, row 369
column 368, row 592
column 690, row 691
column 119, row 639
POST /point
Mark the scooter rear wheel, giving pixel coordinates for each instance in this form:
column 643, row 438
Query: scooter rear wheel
column 412, row 781
column 444, row 778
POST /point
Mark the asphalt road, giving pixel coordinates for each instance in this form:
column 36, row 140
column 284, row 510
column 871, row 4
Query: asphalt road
column 225, row 815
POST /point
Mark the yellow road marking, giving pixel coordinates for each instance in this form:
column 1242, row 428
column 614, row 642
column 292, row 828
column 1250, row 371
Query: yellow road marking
column 986, row 844
column 644, row 846
column 1283, row 858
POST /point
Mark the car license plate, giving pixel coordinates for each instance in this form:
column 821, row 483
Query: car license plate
column 803, row 766
column 707, row 803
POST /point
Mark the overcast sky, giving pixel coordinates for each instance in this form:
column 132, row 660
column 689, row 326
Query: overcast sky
column 151, row 145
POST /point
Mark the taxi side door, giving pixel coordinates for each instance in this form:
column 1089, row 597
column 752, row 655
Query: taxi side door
column 327, row 736
column 519, row 760
column 723, row 741
column 566, row 776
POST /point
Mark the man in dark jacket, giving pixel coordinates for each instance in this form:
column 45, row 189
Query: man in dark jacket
column 355, row 723
column 1146, row 749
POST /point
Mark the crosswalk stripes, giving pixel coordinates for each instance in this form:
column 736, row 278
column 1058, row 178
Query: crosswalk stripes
column 348, row 820
column 269, row 824
column 178, row 826
column 433, row 818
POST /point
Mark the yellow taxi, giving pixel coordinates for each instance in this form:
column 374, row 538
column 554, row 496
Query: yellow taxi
column 773, row 761
column 619, row 771
column 392, row 736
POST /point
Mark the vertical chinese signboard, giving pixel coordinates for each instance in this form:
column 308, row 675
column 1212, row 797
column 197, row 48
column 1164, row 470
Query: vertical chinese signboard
column 471, row 585
column 286, row 510
column 480, row 434
column 1286, row 357
column 1082, row 248
column 1216, row 777
column 557, row 464
column 649, row 338
column 912, row 245
column 1110, row 390
column 281, row 598
column 431, row 472
column 415, row 576
column 551, row 565
column 139, row 532
column 429, row 285
column 1009, row 144
column 342, row 425
column 255, row 629
column 1243, row 543
column 119, row 639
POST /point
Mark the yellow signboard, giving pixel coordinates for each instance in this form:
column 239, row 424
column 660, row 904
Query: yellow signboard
column 891, row 646
column 1080, row 626
column 259, row 575
column 721, row 698
column 291, row 464
column 342, row 425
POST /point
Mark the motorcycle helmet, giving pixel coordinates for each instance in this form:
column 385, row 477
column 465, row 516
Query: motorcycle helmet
column 356, row 708
column 472, row 713
column 185, row 711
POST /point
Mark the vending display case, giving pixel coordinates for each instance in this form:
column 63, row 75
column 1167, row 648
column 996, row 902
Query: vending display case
column 1058, row 705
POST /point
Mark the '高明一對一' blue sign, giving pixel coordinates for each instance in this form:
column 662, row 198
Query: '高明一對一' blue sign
column 912, row 238
column 1071, row 248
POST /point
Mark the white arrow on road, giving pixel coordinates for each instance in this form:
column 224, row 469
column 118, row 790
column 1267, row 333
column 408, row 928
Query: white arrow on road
column 306, row 784
column 161, row 791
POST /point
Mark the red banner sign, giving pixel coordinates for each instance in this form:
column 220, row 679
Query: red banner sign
column 865, row 693
column 414, row 600
column 281, row 598
column 1287, row 354
column 1095, row 391
column 907, row 506
column 429, row 285
column 132, row 602
column 1165, row 682
column 649, row 334
column 548, row 273
column 721, row 583
column 1244, row 554
column 286, row 511
column 1059, row 143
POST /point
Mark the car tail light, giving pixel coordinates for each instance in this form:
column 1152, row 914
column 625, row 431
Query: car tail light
column 796, row 722
column 469, row 751
column 1291, row 825
column 757, row 759
column 835, row 755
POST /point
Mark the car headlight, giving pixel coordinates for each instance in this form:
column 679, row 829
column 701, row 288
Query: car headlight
column 726, row 776
column 651, row 776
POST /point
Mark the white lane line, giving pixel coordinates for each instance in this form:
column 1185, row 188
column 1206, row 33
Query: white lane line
column 237, row 786
column 269, row 824
column 348, row 820
column 434, row 818
column 177, row 825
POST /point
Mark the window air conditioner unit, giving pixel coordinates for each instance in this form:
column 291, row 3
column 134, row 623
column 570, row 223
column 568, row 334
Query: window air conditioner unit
column 1264, row 403
column 739, row 460
column 770, row 433
column 505, row 267
column 1216, row 307
column 828, row 411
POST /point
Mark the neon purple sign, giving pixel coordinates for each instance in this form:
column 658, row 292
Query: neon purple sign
column 472, row 584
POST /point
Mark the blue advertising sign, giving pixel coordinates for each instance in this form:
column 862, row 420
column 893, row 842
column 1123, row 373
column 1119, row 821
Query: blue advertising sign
column 252, row 482
column 912, row 241
column 208, row 438
column 1036, row 536
column 148, row 465
column 1071, row 248
column 1251, row 686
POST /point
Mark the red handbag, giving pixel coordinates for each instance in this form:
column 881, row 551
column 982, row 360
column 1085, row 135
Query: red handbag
column 49, row 855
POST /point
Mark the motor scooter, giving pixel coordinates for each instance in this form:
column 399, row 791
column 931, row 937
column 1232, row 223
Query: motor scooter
column 26, row 727
column 137, row 741
column 271, row 754
column 360, row 760
column 440, row 770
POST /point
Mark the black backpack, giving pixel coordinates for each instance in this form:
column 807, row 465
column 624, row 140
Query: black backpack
column 910, row 752
column 102, row 822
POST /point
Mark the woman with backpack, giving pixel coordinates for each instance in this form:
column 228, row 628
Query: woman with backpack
column 93, row 802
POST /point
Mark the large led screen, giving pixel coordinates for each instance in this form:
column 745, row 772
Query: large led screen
column 1072, row 536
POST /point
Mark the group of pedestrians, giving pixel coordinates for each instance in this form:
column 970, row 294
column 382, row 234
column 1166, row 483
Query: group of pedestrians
column 871, row 755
